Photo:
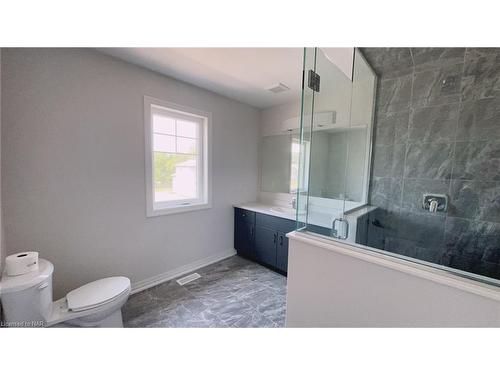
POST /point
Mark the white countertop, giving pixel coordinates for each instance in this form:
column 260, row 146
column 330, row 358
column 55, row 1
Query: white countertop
column 269, row 209
column 322, row 218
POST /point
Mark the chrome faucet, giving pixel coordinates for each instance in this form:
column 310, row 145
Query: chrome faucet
column 433, row 205
column 435, row 202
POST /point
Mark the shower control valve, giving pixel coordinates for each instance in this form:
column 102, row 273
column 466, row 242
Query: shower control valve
column 435, row 202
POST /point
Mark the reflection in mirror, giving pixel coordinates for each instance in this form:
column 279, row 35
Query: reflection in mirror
column 333, row 174
column 276, row 161
column 280, row 163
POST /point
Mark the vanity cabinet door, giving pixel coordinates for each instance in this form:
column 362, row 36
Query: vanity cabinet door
column 282, row 252
column 265, row 245
column 244, row 234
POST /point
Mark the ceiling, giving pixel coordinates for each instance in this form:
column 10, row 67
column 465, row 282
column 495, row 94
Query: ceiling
column 244, row 74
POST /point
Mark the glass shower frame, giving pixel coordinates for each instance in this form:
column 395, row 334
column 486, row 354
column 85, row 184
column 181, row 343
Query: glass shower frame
column 303, row 194
column 313, row 105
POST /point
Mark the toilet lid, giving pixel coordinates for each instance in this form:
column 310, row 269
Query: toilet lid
column 97, row 293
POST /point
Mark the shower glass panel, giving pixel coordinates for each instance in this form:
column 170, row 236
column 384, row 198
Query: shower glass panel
column 400, row 154
column 305, row 138
column 336, row 140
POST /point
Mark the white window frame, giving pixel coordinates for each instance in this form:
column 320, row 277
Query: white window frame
column 204, row 158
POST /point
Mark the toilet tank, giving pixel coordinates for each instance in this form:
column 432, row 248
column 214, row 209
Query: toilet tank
column 27, row 299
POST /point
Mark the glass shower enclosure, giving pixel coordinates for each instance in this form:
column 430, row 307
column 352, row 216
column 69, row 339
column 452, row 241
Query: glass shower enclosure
column 401, row 159
column 337, row 118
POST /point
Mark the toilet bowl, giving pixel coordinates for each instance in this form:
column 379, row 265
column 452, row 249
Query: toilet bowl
column 27, row 301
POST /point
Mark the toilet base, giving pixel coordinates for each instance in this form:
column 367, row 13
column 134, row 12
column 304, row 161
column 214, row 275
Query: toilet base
column 113, row 321
column 108, row 315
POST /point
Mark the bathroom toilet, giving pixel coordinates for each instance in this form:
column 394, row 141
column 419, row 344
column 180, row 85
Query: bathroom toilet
column 27, row 301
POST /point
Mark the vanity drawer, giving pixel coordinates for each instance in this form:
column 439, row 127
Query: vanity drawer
column 276, row 223
column 244, row 215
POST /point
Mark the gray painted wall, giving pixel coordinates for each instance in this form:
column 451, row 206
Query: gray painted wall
column 73, row 167
column 438, row 131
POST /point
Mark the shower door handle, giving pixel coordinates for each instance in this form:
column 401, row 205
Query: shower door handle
column 343, row 225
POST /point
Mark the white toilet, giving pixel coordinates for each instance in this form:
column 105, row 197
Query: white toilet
column 27, row 301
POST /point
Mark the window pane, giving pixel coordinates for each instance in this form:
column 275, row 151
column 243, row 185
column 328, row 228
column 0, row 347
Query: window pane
column 187, row 145
column 175, row 177
column 164, row 143
column 187, row 129
column 163, row 125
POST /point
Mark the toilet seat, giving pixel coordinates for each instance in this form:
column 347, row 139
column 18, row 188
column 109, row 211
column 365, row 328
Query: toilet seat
column 97, row 293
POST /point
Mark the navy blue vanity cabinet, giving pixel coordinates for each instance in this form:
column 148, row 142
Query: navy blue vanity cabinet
column 271, row 243
column 244, row 232
column 262, row 238
column 265, row 245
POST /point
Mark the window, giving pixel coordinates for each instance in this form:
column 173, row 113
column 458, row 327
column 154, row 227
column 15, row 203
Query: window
column 177, row 157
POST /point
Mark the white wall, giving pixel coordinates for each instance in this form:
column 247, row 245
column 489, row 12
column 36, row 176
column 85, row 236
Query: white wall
column 273, row 117
column 73, row 167
column 330, row 285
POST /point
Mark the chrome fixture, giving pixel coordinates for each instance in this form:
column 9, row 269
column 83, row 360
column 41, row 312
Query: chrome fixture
column 435, row 202
column 340, row 228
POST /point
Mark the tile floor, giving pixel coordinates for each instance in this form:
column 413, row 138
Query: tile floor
column 234, row 292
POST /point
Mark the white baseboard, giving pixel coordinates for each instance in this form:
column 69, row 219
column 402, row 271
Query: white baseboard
column 179, row 271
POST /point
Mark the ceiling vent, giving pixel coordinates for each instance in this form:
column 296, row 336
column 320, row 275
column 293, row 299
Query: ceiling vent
column 280, row 87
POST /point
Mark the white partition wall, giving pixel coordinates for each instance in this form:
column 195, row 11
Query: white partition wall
column 335, row 285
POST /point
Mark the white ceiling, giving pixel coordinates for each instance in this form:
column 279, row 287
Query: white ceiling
column 243, row 74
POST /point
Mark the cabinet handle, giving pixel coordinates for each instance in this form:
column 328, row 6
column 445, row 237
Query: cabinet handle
column 275, row 238
column 251, row 231
column 281, row 240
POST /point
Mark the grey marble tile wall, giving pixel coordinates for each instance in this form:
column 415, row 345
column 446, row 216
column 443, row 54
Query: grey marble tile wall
column 437, row 130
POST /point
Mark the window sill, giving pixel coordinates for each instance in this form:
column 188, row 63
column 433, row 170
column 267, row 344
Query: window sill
column 152, row 212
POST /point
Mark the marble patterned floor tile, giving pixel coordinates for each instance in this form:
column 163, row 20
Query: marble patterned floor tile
column 254, row 320
column 257, row 298
column 232, row 293
column 231, row 310
column 272, row 308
